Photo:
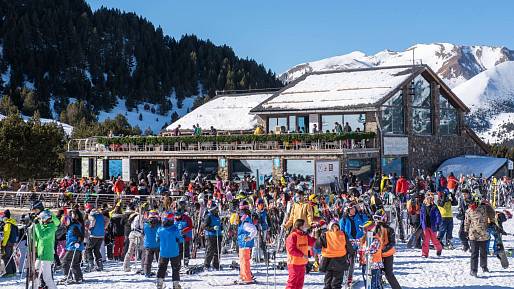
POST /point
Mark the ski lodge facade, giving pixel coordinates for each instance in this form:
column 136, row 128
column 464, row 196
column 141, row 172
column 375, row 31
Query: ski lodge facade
column 403, row 119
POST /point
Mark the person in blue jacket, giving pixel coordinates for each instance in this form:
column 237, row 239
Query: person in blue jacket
column 96, row 238
column 212, row 229
column 150, row 242
column 351, row 223
column 246, row 234
column 169, row 238
column 74, row 247
column 262, row 227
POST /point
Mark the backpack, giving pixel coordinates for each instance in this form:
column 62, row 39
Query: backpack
column 13, row 237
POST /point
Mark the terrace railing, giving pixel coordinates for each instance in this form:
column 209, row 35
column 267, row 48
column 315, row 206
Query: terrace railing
column 297, row 142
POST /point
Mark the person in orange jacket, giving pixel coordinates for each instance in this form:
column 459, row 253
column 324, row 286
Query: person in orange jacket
column 297, row 246
column 335, row 249
column 375, row 251
column 388, row 242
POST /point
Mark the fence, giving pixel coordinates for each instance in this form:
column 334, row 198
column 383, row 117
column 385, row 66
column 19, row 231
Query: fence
column 55, row 200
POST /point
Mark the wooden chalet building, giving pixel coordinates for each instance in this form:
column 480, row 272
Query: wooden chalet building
column 404, row 119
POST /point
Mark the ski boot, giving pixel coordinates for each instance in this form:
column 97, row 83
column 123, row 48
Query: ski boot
column 186, row 262
column 176, row 285
column 160, row 283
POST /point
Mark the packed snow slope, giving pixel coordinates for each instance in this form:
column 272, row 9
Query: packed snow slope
column 490, row 96
column 453, row 63
column 449, row 271
column 68, row 129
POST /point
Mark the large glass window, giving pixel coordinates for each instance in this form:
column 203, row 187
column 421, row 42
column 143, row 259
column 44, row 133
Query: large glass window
column 392, row 115
column 303, row 124
column 292, row 123
column 354, row 121
column 447, row 117
column 328, row 122
column 273, row 122
column 421, row 105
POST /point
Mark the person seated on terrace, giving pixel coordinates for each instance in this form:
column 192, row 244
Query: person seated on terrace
column 176, row 131
column 213, row 131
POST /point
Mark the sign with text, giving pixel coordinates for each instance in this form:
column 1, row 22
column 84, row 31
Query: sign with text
column 396, row 146
column 327, row 171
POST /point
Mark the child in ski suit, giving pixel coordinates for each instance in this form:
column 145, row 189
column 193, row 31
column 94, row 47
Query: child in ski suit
column 185, row 226
column 246, row 234
column 430, row 219
column 150, row 242
column 44, row 239
column 374, row 251
column 169, row 238
column 74, row 247
column 297, row 246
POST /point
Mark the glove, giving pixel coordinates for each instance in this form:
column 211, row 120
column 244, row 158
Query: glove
column 76, row 245
column 216, row 228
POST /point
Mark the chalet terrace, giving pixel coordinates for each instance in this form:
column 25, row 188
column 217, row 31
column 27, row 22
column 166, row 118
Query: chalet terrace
column 401, row 119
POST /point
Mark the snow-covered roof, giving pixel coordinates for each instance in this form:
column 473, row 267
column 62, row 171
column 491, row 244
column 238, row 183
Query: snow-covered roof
column 339, row 89
column 472, row 165
column 225, row 112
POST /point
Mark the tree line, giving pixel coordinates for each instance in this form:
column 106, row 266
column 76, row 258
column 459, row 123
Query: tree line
column 55, row 52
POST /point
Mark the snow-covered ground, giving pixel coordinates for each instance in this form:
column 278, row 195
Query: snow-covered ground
column 68, row 129
column 449, row 271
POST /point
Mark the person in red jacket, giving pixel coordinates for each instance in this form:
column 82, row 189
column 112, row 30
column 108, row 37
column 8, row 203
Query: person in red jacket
column 452, row 183
column 402, row 187
column 297, row 246
column 119, row 186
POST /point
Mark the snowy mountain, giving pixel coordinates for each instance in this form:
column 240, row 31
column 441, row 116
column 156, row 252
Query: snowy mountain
column 490, row 96
column 453, row 63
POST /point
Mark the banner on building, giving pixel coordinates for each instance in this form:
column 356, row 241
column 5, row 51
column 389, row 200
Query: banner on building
column 85, row 167
column 125, row 169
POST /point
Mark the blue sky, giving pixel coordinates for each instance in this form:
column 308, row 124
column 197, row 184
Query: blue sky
column 280, row 34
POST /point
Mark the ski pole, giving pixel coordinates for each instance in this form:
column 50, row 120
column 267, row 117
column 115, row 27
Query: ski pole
column 14, row 250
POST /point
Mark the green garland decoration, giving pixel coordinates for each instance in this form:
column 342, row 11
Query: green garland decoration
column 241, row 138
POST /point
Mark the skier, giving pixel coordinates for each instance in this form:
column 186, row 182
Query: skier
column 150, row 244
column 475, row 225
column 374, row 250
column 414, row 213
column 262, row 212
column 444, row 204
column 135, row 236
column 44, row 238
column 335, row 249
column 351, row 223
column 300, row 210
column 388, row 242
column 297, row 246
column 185, row 226
column 464, row 202
column 74, row 247
column 8, row 244
column 430, row 220
column 117, row 231
column 97, row 227
column 246, row 234
column 169, row 238
column 212, row 229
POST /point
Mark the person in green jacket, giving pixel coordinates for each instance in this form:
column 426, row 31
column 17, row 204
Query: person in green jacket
column 44, row 238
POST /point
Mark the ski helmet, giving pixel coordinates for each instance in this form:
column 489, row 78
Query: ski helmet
column 45, row 215
column 179, row 212
column 167, row 218
column 380, row 216
column 153, row 214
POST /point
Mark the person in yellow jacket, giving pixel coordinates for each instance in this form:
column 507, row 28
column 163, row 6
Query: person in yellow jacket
column 335, row 249
column 8, row 244
column 444, row 204
column 384, row 183
column 258, row 130
column 300, row 210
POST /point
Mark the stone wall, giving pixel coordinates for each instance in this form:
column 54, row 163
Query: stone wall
column 426, row 153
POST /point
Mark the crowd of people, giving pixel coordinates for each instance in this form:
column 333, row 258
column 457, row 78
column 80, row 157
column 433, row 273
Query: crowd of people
column 356, row 224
